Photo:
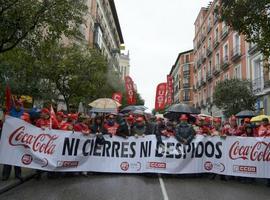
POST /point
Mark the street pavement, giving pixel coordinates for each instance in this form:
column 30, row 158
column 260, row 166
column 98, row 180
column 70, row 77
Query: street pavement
column 136, row 187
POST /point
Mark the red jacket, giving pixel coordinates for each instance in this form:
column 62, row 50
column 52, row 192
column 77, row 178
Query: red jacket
column 111, row 130
column 263, row 131
column 43, row 123
column 81, row 127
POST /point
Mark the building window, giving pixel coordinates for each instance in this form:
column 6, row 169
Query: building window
column 217, row 60
column 236, row 43
column 226, row 52
column 226, row 76
column 237, row 72
column 209, row 43
column 216, row 34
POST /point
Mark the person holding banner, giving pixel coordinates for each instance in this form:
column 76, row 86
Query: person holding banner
column 126, row 126
column 140, row 129
column 111, row 126
column 184, row 131
column 17, row 112
column 264, row 128
column 216, row 129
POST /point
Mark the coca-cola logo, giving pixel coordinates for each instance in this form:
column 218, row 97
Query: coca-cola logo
column 27, row 159
column 260, row 151
column 42, row 143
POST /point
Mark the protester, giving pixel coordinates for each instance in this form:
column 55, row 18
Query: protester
column 111, row 126
column 139, row 129
column 81, row 125
column 126, row 126
column 216, row 129
column 16, row 111
column 264, row 128
column 184, row 131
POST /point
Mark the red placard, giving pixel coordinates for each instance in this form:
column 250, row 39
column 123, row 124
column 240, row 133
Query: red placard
column 161, row 96
column 117, row 96
column 131, row 98
column 169, row 100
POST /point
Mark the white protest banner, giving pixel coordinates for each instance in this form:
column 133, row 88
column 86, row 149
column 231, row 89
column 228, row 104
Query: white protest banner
column 25, row 145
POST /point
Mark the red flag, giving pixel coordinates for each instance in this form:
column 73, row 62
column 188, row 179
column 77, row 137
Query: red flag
column 131, row 98
column 160, row 96
column 169, row 96
column 117, row 96
column 53, row 121
column 8, row 98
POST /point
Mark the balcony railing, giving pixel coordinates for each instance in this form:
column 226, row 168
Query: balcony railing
column 216, row 42
column 253, row 49
column 209, row 75
column 209, row 28
column 236, row 53
column 216, row 70
column 225, row 32
column 225, row 62
column 203, row 37
column 186, row 85
column 215, row 18
column 209, row 51
column 186, row 98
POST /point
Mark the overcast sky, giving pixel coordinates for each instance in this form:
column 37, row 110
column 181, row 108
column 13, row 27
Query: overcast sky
column 155, row 31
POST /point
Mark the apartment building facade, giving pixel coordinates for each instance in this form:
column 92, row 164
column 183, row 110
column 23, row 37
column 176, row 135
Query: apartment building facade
column 219, row 54
column 183, row 77
column 102, row 30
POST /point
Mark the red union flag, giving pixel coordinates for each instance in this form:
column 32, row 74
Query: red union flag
column 131, row 99
column 169, row 100
column 117, row 96
column 160, row 96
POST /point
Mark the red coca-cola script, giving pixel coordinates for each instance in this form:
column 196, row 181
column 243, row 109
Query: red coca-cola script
column 260, row 151
column 42, row 143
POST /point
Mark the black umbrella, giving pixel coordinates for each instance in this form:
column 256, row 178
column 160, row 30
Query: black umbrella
column 133, row 108
column 182, row 109
column 245, row 113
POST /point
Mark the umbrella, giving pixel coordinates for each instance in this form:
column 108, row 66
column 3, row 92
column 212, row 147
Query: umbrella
column 105, row 105
column 133, row 108
column 259, row 118
column 245, row 113
column 182, row 109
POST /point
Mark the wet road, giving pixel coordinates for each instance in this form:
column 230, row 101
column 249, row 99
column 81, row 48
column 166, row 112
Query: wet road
column 136, row 187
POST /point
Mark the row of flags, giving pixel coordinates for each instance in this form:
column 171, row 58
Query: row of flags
column 164, row 94
column 130, row 92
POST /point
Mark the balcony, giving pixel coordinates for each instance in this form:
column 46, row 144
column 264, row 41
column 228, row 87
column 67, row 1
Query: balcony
column 209, row 75
column 186, row 72
column 253, row 49
column 203, row 82
column 187, row 98
column 216, row 42
column 224, row 33
column 203, row 58
column 225, row 63
column 203, row 37
column 209, row 51
column 215, row 18
column 216, row 70
column 186, row 85
column 209, row 28
column 199, row 63
column 236, row 53
column 267, row 84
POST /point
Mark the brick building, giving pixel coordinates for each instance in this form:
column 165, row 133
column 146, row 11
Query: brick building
column 183, row 77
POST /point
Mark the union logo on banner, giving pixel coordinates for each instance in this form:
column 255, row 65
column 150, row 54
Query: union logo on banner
column 117, row 96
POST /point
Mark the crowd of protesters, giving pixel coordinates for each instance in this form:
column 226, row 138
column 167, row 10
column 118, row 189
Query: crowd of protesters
column 184, row 128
